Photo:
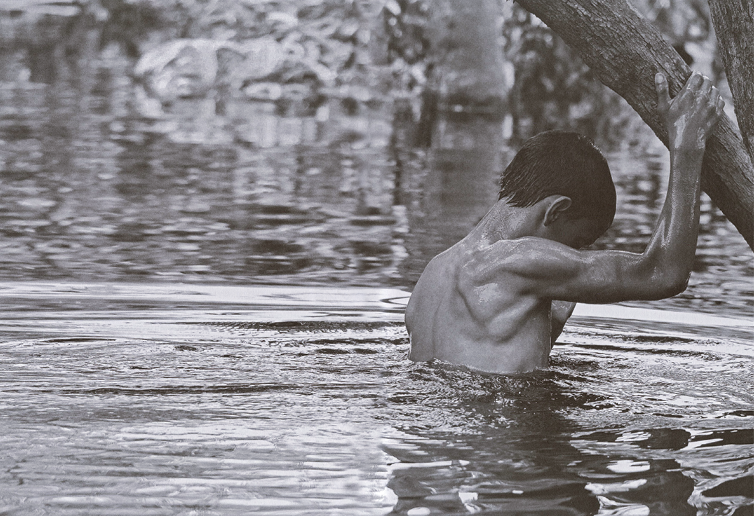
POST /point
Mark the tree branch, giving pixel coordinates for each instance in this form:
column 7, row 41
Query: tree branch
column 625, row 51
column 734, row 28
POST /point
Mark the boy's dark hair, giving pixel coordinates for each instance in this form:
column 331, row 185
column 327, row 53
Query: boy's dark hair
column 561, row 163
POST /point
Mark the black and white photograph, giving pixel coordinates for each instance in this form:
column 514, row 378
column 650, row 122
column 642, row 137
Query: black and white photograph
column 376, row 257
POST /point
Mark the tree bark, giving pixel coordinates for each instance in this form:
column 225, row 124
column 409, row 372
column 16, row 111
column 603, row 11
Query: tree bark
column 625, row 51
column 734, row 28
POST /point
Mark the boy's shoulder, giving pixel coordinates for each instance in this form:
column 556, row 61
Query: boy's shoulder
column 506, row 270
column 519, row 256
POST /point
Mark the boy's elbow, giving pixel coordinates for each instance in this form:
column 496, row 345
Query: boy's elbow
column 672, row 285
column 660, row 282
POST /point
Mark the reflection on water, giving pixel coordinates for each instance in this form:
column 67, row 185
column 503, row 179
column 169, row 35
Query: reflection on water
column 95, row 186
column 175, row 399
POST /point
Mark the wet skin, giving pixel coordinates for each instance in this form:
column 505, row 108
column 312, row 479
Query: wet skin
column 488, row 302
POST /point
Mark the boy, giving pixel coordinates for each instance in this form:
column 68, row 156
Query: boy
column 488, row 302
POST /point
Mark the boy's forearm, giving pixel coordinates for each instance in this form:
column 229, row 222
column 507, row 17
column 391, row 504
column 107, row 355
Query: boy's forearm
column 690, row 118
column 672, row 247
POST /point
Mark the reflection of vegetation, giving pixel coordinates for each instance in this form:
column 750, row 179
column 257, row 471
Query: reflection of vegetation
column 269, row 184
column 552, row 88
column 328, row 43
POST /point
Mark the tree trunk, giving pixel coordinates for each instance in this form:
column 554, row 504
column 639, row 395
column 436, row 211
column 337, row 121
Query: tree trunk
column 734, row 28
column 625, row 51
column 465, row 100
column 465, row 57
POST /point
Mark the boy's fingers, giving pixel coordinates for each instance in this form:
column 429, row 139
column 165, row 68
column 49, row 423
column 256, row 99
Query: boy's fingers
column 713, row 96
column 694, row 81
column 719, row 104
column 706, row 86
column 690, row 89
column 663, row 97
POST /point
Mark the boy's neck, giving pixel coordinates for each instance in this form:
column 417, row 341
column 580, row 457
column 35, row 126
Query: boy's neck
column 506, row 222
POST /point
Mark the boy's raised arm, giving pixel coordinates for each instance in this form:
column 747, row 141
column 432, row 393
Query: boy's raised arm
column 551, row 270
column 690, row 118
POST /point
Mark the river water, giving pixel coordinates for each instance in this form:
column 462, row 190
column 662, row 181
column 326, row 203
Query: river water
column 191, row 399
column 202, row 314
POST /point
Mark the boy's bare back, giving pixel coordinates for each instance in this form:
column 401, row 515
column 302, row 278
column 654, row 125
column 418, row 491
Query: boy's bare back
column 487, row 302
column 486, row 327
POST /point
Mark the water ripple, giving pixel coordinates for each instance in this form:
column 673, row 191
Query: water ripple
column 293, row 410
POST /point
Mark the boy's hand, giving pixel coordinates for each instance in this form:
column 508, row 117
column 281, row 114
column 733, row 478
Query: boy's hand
column 560, row 311
column 690, row 116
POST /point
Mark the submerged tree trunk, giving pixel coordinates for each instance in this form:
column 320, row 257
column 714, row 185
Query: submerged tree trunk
column 734, row 28
column 463, row 110
column 625, row 51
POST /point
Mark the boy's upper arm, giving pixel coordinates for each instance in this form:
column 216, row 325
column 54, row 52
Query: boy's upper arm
column 548, row 269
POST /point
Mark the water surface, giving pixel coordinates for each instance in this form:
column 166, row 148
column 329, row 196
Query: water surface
column 183, row 399
column 95, row 188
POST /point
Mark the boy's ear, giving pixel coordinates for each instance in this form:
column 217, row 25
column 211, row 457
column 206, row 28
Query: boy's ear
column 557, row 206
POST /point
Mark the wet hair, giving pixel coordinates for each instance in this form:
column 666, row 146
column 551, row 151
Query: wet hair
column 561, row 163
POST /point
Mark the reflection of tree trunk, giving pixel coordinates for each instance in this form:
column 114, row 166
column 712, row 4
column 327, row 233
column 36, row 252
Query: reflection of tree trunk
column 734, row 27
column 625, row 51
column 43, row 63
column 467, row 86
column 465, row 68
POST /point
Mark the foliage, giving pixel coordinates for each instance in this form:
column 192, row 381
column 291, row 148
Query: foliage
column 552, row 88
column 361, row 49
column 320, row 38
